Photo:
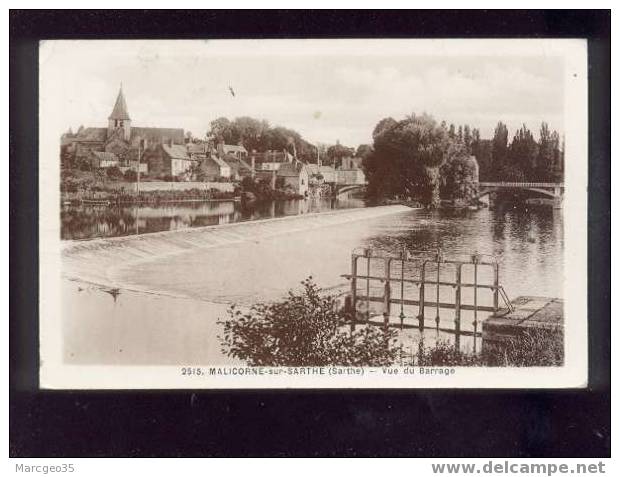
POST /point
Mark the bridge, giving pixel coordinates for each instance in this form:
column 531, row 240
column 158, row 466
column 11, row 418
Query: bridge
column 344, row 188
column 552, row 190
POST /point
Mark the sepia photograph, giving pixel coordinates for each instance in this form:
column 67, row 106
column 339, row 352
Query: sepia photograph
column 313, row 213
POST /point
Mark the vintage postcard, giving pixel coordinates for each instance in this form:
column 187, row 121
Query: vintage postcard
column 313, row 213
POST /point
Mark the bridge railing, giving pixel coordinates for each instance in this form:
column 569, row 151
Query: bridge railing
column 521, row 184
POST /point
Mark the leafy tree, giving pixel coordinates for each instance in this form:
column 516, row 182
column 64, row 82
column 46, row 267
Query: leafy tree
column 499, row 147
column 363, row 151
column 336, row 152
column 305, row 329
column 452, row 132
column 546, row 154
column 467, row 137
column 222, row 130
column 406, row 158
column 382, row 126
column 523, row 153
column 459, row 174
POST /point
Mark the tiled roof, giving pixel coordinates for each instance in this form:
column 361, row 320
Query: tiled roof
column 313, row 169
column 158, row 135
column 228, row 148
column 176, row 151
column 193, row 148
column 291, row 169
column 236, row 163
column 218, row 161
column 92, row 134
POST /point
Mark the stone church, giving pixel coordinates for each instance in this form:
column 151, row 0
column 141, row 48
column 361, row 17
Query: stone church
column 120, row 138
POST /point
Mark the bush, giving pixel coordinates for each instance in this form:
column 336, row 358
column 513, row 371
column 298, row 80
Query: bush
column 305, row 329
column 532, row 348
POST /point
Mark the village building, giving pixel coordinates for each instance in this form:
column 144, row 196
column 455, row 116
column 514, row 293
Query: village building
column 294, row 175
column 120, row 137
column 100, row 159
column 198, row 151
column 350, row 163
column 215, row 168
column 269, row 160
column 321, row 174
column 228, row 149
column 238, row 167
column 170, row 160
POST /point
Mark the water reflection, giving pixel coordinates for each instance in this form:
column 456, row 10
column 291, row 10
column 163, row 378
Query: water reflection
column 88, row 221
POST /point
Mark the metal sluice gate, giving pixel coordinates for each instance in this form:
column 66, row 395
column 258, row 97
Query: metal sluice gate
column 424, row 270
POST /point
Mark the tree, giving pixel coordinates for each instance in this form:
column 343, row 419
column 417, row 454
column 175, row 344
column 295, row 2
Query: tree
column 336, row 152
column 452, row 132
column 305, row 329
column 499, row 148
column 363, row 151
column 222, row 130
column 523, row 153
column 467, row 138
column 459, row 174
column 406, row 158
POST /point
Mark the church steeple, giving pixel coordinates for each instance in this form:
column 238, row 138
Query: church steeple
column 119, row 118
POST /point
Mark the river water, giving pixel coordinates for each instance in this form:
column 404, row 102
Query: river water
column 88, row 221
column 261, row 261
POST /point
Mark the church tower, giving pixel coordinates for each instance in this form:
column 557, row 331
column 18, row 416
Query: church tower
column 120, row 117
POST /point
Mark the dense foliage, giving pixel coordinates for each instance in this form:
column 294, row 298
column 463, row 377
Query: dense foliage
column 406, row 157
column 305, row 329
column 416, row 158
column 259, row 135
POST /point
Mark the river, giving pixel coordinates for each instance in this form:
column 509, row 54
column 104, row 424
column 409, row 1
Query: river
column 190, row 289
column 88, row 221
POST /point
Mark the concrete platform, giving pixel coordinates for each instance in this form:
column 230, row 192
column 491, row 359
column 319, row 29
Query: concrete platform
column 530, row 313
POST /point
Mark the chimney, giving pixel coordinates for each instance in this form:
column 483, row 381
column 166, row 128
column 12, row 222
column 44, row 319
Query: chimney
column 220, row 149
column 253, row 166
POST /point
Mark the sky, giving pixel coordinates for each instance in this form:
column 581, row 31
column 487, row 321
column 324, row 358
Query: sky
column 327, row 90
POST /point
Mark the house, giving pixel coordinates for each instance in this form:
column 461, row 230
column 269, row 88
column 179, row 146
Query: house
column 350, row 176
column 100, row 159
column 314, row 174
column 328, row 173
column 169, row 160
column 321, row 174
column 269, row 160
column 238, row 167
column 237, row 151
column 213, row 167
column 198, row 151
column 350, row 163
column 294, row 175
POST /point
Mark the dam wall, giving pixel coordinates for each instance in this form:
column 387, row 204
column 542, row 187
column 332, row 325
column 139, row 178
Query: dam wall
column 96, row 260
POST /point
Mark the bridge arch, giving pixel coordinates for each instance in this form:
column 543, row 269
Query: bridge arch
column 348, row 188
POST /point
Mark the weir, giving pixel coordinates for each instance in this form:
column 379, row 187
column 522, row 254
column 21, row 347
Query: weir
column 96, row 260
